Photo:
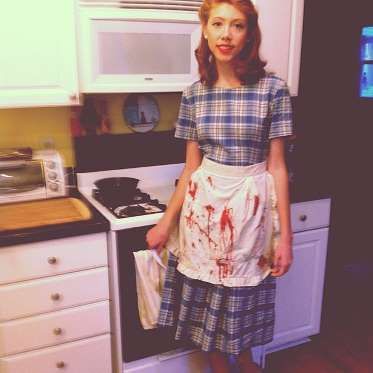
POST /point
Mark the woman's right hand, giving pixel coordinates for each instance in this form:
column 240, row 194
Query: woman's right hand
column 157, row 236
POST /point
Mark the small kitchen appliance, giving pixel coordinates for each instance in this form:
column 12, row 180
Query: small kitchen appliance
column 29, row 175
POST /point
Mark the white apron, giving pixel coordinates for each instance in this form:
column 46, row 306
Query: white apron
column 228, row 225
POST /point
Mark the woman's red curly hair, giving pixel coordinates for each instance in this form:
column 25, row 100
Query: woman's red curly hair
column 249, row 66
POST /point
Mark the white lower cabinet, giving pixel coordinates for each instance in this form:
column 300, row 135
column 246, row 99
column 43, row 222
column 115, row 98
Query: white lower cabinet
column 299, row 293
column 90, row 355
column 55, row 316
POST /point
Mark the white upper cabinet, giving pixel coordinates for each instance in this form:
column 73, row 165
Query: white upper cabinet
column 281, row 22
column 38, row 61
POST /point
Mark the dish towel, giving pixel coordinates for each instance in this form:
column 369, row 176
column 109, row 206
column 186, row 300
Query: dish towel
column 150, row 275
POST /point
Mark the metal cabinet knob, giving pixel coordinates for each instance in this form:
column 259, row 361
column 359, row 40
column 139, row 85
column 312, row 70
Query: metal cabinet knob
column 60, row 364
column 57, row 331
column 55, row 296
column 303, row 217
column 52, row 260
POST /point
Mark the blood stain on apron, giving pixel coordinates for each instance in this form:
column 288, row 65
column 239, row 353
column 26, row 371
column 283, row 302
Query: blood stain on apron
column 256, row 204
column 190, row 221
column 192, row 189
column 210, row 209
column 225, row 264
column 262, row 262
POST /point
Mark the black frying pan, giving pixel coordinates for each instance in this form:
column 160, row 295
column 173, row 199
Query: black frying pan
column 125, row 186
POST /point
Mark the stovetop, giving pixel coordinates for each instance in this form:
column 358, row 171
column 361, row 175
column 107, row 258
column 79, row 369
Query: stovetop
column 140, row 203
column 156, row 182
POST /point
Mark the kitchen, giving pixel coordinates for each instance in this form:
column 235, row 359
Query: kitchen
column 49, row 127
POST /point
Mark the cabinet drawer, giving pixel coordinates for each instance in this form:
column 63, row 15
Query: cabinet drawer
column 54, row 293
column 89, row 355
column 310, row 215
column 47, row 258
column 54, row 328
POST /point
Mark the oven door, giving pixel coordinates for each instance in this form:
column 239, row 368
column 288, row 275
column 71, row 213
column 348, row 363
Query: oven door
column 137, row 342
column 22, row 183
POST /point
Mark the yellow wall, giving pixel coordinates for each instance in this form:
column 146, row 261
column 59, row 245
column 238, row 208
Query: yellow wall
column 41, row 127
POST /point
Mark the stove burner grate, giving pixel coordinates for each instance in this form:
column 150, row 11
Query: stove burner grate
column 138, row 209
column 123, row 207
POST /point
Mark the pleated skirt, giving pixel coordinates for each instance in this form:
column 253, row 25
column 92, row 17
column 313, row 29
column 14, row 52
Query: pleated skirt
column 215, row 317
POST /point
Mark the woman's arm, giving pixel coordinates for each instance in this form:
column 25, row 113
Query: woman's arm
column 277, row 168
column 158, row 235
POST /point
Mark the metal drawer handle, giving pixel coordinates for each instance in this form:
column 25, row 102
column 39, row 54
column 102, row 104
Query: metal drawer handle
column 52, row 260
column 57, row 331
column 303, row 217
column 55, row 296
column 60, row 364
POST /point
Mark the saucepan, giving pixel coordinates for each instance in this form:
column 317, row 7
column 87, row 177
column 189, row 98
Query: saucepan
column 112, row 186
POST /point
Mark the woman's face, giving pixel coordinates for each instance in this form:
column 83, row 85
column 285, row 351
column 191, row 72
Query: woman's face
column 226, row 32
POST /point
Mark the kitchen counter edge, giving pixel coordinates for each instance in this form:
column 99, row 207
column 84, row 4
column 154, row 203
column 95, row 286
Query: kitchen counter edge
column 96, row 224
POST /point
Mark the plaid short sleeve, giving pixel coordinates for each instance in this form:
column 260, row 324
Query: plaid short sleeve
column 281, row 112
column 186, row 124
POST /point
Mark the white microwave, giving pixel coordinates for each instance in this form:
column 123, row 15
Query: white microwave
column 137, row 50
column 41, row 177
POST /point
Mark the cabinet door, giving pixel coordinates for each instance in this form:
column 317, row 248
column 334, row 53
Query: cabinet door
column 299, row 292
column 281, row 23
column 38, row 54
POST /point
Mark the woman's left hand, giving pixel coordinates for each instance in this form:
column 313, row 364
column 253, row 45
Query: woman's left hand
column 282, row 259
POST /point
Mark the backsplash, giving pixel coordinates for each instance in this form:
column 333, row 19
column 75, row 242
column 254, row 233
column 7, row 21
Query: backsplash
column 37, row 128
column 50, row 126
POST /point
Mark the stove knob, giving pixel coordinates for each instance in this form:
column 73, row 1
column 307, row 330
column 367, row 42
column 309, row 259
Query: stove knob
column 52, row 175
column 51, row 164
column 53, row 187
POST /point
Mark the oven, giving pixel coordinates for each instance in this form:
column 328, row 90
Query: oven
column 132, row 343
column 137, row 343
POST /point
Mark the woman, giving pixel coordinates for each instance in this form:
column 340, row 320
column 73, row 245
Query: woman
column 231, row 205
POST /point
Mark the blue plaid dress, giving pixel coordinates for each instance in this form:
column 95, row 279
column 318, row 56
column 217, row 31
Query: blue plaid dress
column 233, row 126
